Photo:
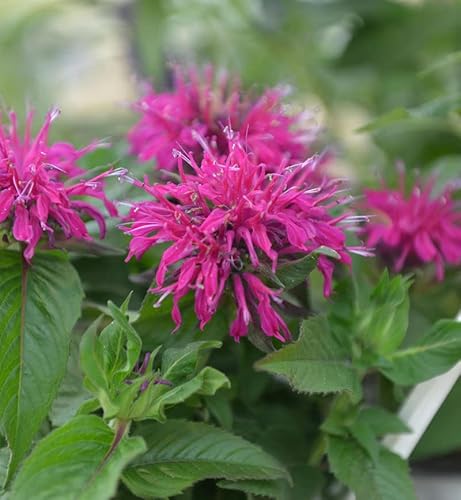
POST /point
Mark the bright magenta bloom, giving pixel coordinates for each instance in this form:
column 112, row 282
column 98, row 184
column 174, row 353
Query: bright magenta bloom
column 411, row 231
column 224, row 222
column 202, row 106
column 37, row 194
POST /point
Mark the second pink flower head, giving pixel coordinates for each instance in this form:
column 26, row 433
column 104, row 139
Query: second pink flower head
column 203, row 105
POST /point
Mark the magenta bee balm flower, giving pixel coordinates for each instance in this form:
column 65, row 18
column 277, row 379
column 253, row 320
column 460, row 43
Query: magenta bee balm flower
column 416, row 229
column 38, row 190
column 227, row 221
column 202, row 105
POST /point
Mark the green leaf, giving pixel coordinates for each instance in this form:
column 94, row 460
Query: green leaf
column 439, row 107
column 384, row 321
column 39, row 305
column 89, row 406
column 181, row 453
column 220, row 407
column 447, row 60
column 123, row 347
column 386, row 478
column 153, row 402
column 365, row 436
column 435, row 353
column 342, row 414
column 386, row 120
column 71, row 394
column 92, row 364
column 364, row 425
column 178, row 363
column 271, row 489
column 381, row 421
column 294, row 273
column 430, row 114
column 109, row 358
column 82, row 459
column 5, row 456
column 91, row 356
column 307, row 483
column 316, row 363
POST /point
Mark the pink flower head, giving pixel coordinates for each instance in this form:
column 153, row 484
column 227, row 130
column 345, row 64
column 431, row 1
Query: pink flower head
column 37, row 194
column 416, row 229
column 228, row 220
column 202, row 106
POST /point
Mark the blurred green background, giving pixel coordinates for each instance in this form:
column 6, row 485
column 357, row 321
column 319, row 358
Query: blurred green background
column 382, row 79
column 395, row 64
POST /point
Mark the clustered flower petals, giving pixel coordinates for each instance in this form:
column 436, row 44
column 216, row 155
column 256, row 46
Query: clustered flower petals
column 203, row 106
column 227, row 220
column 34, row 195
column 416, row 229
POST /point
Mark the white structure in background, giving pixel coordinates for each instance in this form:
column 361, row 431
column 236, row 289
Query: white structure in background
column 420, row 408
column 417, row 412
